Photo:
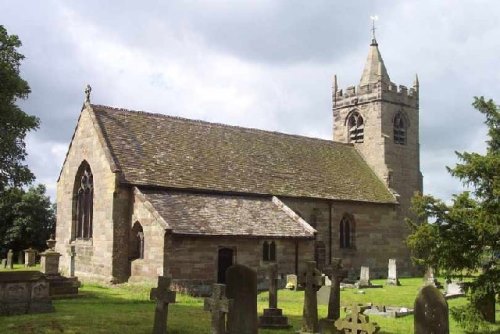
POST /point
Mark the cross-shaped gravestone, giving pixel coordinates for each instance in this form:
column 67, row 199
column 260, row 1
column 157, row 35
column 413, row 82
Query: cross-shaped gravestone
column 356, row 322
column 219, row 306
column 312, row 280
column 273, row 316
column 163, row 297
column 336, row 274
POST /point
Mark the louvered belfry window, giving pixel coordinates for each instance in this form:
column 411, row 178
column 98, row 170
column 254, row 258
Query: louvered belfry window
column 399, row 129
column 85, row 205
column 356, row 128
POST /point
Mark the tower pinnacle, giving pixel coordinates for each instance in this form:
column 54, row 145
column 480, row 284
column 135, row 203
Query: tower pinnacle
column 374, row 70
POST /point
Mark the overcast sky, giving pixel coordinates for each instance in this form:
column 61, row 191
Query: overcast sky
column 263, row 64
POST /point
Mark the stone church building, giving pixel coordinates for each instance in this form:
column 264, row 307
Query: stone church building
column 143, row 194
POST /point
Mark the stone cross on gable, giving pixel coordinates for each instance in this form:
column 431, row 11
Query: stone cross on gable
column 336, row 273
column 312, row 280
column 163, row 297
column 357, row 322
column 218, row 305
column 88, row 90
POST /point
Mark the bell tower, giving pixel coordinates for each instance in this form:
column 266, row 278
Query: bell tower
column 381, row 120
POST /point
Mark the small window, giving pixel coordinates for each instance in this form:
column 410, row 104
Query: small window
column 346, row 232
column 269, row 251
column 399, row 129
column 356, row 128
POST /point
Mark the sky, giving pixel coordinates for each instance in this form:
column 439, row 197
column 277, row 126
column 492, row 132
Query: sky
column 261, row 64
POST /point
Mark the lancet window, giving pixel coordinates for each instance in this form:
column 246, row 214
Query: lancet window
column 84, row 203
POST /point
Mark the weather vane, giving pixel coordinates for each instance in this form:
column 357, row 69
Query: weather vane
column 373, row 18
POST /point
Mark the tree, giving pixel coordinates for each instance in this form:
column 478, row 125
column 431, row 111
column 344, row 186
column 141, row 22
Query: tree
column 14, row 123
column 463, row 238
column 27, row 218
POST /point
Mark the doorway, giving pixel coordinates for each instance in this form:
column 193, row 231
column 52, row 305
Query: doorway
column 224, row 261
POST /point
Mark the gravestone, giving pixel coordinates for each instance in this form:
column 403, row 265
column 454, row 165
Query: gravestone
column 431, row 312
column 454, row 290
column 4, row 263
column 163, row 296
column 356, row 322
column 219, row 306
column 336, row 273
column 72, row 255
column 291, row 282
column 20, row 257
column 364, row 277
column 312, row 280
column 273, row 316
column 242, row 289
column 29, row 257
column 10, row 255
column 392, row 274
column 429, row 278
column 24, row 292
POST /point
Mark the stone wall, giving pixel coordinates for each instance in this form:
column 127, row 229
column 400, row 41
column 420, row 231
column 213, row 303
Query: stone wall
column 94, row 257
column 378, row 235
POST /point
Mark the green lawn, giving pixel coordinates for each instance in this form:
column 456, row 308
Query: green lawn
column 126, row 309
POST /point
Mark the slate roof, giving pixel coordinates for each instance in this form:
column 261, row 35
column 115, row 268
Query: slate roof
column 219, row 215
column 172, row 152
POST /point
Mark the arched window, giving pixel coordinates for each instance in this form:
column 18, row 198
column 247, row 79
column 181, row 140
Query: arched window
column 346, row 232
column 356, row 127
column 84, row 198
column 399, row 129
column 269, row 251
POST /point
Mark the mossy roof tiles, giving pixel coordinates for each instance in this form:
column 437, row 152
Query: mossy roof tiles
column 172, row 152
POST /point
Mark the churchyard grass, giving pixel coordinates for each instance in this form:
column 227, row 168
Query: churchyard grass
column 126, row 309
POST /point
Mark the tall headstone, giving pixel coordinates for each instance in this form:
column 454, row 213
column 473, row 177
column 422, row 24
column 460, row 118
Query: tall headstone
column 219, row 306
column 29, row 257
column 20, row 257
column 312, row 280
column 4, row 263
column 392, row 274
column 429, row 278
column 10, row 263
column 72, row 255
column 364, row 277
column 163, row 296
column 273, row 316
column 336, row 273
column 431, row 312
column 242, row 289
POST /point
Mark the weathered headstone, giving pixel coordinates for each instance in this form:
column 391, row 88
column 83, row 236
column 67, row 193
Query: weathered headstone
column 20, row 257
column 72, row 255
column 10, row 255
column 49, row 260
column 431, row 312
column 273, row 316
column 392, row 274
column 429, row 277
column 163, row 296
column 336, row 273
column 291, row 282
column 357, row 322
column 312, row 280
column 242, row 289
column 29, row 257
column 364, row 277
column 4, row 263
column 219, row 306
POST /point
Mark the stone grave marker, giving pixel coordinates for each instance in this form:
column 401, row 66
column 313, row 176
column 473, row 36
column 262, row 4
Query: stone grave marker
column 431, row 312
column 273, row 316
column 356, row 322
column 219, row 306
column 291, row 282
column 10, row 255
column 29, row 257
column 429, row 278
column 163, row 296
column 242, row 289
column 392, row 274
column 336, row 273
column 4, row 263
column 364, row 277
column 454, row 290
column 312, row 280
column 20, row 257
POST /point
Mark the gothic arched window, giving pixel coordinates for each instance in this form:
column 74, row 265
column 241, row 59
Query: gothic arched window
column 356, row 127
column 136, row 245
column 399, row 129
column 346, row 232
column 84, row 202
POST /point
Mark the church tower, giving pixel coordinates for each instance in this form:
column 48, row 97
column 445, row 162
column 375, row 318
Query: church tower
column 381, row 121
